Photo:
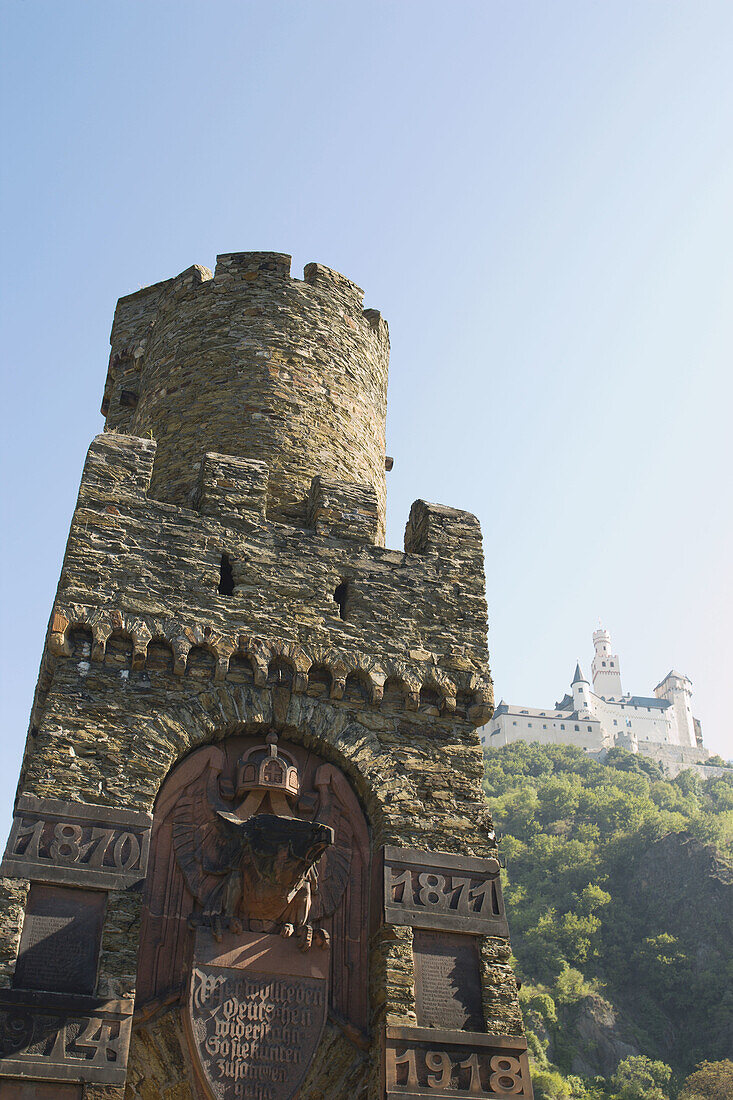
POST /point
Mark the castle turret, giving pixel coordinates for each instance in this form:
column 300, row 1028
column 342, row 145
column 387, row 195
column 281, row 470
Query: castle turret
column 605, row 670
column 678, row 690
column 253, row 363
column 581, row 692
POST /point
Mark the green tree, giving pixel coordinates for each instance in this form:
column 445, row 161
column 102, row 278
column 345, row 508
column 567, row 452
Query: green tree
column 591, row 898
column 571, row 986
column 631, row 762
column 710, row 1081
column 549, row 1084
column 639, row 1078
column 558, row 798
column 688, row 782
column 662, row 965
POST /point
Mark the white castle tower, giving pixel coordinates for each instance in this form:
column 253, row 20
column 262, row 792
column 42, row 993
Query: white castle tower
column 581, row 692
column 677, row 689
column 605, row 669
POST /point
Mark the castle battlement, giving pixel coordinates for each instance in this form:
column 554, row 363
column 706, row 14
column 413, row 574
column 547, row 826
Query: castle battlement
column 251, row 362
column 318, row 599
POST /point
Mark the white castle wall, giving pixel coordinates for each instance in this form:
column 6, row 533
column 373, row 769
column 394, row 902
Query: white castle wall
column 660, row 726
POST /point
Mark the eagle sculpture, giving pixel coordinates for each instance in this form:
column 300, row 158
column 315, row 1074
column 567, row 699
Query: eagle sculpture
column 268, row 872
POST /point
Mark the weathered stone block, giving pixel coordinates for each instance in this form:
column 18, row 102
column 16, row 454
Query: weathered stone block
column 252, row 265
column 448, row 532
column 343, row 510
column 117, row 468
column 230, row 487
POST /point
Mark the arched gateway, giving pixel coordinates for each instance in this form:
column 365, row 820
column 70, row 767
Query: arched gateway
column 255, row 916
column 250, row 857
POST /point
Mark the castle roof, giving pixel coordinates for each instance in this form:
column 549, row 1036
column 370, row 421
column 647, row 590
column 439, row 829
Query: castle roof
column 673, row 674
column 578, row 677
column 534, row 712
column 642, row 701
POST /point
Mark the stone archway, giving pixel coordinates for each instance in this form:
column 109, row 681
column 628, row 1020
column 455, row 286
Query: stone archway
column 229, row 900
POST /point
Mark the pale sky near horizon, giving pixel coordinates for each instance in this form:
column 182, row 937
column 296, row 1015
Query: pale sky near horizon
column 537, row 196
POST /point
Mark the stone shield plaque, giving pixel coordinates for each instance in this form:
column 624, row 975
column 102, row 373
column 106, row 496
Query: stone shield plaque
column 256, row 1009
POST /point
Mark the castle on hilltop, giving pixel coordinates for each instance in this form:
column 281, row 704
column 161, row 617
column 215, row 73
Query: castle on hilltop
column 602, row 717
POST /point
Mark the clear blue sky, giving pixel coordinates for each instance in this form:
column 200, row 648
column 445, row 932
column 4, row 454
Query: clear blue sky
column 538, row 198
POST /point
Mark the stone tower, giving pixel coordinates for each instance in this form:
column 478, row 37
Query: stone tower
column 677, row 689
column 606, row 670
column 250, row 857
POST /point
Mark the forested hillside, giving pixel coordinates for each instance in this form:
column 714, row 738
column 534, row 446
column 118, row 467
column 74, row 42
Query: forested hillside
column 619, row 890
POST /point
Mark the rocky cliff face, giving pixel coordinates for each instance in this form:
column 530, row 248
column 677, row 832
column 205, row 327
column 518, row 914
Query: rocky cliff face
column 593, row 1036
column 676, row 902
column 691, row 883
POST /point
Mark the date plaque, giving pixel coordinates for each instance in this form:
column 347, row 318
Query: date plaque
column 57, row 1037
column 443, row 891
column 452, row 1065
column 77, row 844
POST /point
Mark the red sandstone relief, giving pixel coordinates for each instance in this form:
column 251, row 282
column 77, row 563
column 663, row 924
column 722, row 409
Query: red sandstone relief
column 259, row 864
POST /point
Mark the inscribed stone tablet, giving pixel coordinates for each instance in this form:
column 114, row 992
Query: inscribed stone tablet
column 447, row 981
column 59, row 944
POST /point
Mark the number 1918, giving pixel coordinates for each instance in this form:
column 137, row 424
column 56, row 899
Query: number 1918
column 433, row 1070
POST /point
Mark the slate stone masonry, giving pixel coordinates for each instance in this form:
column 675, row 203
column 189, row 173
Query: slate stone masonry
column 225, row 574
column 251, row 362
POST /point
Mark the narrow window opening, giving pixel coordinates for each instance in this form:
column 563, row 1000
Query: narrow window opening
column 226, row 576
column 240, row 669
column 160, row 655
column 341, row 595
column 280, row 673
column 431, row 700
column 356, row 687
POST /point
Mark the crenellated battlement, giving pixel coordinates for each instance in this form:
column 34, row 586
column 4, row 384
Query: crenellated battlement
column 253, row 363
column 325, row 597
column 136, row 310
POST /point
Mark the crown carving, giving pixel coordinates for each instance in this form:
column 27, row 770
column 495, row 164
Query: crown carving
column 265, row 768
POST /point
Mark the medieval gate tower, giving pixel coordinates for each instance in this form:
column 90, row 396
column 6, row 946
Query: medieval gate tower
column 250, row 857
